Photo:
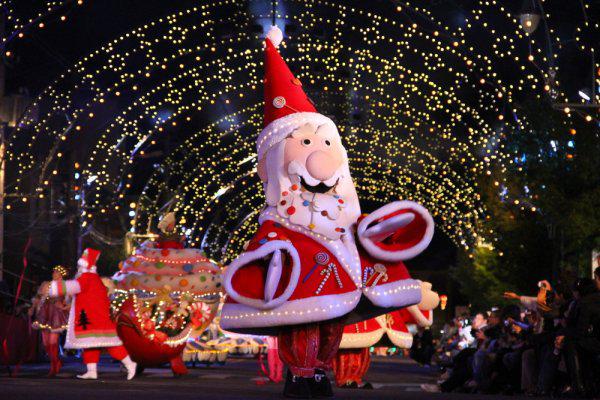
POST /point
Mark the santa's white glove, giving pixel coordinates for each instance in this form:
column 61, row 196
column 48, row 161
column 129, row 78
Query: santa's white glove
column 429, row 298
column 273, row 275
column 384, row 229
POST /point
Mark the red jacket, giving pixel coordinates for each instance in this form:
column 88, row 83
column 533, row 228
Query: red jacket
column 90, row 324
column 319, row 279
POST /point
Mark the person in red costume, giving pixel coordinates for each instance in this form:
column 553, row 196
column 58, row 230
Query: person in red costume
column 313, row 267
column 353, row 359
column 90, row 327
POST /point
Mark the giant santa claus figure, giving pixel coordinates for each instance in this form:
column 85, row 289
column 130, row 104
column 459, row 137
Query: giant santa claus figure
column 313, row 267
column 90, row 326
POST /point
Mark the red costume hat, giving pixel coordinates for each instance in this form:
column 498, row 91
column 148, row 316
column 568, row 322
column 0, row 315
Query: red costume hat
column 88, row 259
column 286, row 104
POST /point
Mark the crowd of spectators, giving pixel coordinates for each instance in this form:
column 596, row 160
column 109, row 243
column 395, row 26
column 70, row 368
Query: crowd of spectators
column 546, row 345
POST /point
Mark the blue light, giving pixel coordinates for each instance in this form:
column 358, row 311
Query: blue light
column 570, row 143
column 132, row 213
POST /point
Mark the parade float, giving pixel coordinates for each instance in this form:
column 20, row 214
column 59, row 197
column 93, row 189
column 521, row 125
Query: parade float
column 165, row 295
column 215, row 345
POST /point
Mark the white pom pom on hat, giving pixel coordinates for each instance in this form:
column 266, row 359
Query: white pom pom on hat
column 275, row 36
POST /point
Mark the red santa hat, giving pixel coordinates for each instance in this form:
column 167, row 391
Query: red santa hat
column 88, row 259
column 286, row 105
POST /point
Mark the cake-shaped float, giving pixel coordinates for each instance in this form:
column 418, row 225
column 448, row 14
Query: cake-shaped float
column 165, row 294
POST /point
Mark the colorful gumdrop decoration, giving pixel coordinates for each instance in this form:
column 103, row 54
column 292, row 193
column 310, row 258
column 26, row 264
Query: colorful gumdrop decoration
column 165, row 294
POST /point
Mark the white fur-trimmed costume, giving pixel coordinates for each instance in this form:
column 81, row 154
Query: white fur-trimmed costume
column 90, row 325
column 306, row 272
column 295, row 297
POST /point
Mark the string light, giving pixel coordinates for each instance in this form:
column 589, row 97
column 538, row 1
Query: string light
column 421, row 121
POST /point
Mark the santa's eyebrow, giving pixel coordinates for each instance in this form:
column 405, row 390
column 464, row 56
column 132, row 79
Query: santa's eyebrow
column 319, row 127
column 298, row 129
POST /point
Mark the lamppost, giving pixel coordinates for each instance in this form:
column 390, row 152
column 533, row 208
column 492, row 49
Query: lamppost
column 531, row 14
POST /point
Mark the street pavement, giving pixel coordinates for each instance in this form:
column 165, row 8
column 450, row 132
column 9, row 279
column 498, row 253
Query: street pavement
column 392, row 378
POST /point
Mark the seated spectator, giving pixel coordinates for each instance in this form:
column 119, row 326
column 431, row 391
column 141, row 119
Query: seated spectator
column 422, row 348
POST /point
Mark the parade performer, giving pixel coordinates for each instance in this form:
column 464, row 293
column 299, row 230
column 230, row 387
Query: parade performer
column 90, row 327
column 273, row 359
column 313, row 267
column 51, row 318
column 353, row 359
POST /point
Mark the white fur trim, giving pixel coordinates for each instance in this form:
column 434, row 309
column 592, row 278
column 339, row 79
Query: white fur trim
column 311, row 309
column 71, row 342
column 361, row 340
column 401, row 339
column 386, row 228
column 403, row 293
column 275, row 36
column 419, row 317
column 260, row 252
column 401, row 255
column 273, row 275
column 282, row 127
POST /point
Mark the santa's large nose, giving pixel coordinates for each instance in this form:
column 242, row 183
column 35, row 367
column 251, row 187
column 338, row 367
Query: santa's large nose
column 321, row 165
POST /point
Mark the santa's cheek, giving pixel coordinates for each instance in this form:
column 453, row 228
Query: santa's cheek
column 295, row 152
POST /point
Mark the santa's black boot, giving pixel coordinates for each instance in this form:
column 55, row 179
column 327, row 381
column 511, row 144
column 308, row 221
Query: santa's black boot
column 320, row 386
column 296, row 387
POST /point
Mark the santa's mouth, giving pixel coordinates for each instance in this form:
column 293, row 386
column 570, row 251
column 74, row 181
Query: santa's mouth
column 319, row 188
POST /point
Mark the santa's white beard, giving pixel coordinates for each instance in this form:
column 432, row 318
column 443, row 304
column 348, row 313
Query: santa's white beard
column 83, row 267
column 331, row 214
column 319, row 212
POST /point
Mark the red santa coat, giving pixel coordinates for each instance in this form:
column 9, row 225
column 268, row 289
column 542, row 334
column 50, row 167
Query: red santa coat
column 90, row 324
column 321, row 279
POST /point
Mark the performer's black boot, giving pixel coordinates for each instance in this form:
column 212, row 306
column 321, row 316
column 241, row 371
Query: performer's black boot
column 296, row 387
column 320, row 386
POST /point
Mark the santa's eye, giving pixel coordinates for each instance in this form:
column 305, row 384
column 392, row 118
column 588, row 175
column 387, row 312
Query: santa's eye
column 327, row 143
column 306, row 142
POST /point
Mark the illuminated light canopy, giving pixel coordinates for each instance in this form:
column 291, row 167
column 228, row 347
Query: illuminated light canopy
column 174, row 106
